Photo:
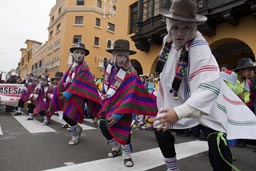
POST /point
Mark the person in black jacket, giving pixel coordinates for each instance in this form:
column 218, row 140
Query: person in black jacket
column 11, row 80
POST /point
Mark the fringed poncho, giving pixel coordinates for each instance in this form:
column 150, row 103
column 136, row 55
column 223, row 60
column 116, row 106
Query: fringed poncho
column 203, row 89
column 131, row 97
column 83, row 89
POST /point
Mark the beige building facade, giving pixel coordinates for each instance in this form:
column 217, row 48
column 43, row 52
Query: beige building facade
column 98, row 23
column 228, row 45
column 229, row 30
column 27, row 53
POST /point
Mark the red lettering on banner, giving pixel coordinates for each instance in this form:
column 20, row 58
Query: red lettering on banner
column 10, row 93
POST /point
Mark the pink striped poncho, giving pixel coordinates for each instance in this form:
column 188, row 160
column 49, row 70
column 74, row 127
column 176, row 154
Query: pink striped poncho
column 83, row 89
column 42, row 102
column 26, row 93
column 131, row 98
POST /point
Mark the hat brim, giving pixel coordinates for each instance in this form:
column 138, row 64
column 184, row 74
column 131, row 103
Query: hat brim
column 55, row 78
column 112, row 50
column 198, row 18
column 237, row 68
column 74, row 48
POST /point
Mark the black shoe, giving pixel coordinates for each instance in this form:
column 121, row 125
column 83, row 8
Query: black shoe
column 65, row 126
column 128, row 162
column 17, row 114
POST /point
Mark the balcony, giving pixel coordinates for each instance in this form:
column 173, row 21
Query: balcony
column 150, row 25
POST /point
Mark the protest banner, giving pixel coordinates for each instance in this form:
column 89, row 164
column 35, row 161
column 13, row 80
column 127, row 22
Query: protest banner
column 10, row 94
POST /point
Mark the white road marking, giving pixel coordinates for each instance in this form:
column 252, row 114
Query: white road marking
column 143, row 160
column 1, row 132
column 85, row 127
column 88, row 120
column 57, row 119
column 33, row 126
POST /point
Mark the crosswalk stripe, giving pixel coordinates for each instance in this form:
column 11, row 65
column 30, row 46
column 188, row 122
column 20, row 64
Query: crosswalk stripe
column 33, row 126
column 88, row 120
column 1, row 132
column 84, row 127
column 57, row 119
column 143, row 160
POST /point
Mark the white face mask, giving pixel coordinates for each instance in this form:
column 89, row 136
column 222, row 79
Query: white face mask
column 121, row 58
column 181, row 32
column 78, row 55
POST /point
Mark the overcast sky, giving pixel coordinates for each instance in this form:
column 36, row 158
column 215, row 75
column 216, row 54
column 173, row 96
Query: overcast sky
column 21, row 20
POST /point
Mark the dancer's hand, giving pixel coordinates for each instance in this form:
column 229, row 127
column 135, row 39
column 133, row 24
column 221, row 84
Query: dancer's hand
column 165, row 118
column 63, row 98
column 112, row 121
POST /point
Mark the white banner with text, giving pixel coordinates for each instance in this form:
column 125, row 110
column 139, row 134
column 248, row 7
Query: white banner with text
column 10, row 94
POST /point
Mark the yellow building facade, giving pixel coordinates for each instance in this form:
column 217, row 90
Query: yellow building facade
column 92, row 22
column 98, row 23
column 25, row 63
column 231, row 37
column 240, row 41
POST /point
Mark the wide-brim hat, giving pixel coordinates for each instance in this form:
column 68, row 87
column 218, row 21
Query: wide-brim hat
column 244, row 63
column 43, row 77
column 122, row 45
column 58, row 75
column 79, row 45
column 183, row 10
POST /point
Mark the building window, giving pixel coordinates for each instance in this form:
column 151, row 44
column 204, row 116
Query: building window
column 133, row 18
column 51, row 33
column 114, row 8
column 99, row 3
column 151, row 8
column 52, row 18
column 147, row 9
column 157, row 5
column 96, row 41
column 77, row 38
column 40, row 64
column 59, row 10
column 111, row 27
column 58, row 27
column 97, row 22
column 79, row 2
column 79, row 20
column 109, row 44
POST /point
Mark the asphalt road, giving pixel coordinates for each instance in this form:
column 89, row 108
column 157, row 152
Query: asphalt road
column 30, row 146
